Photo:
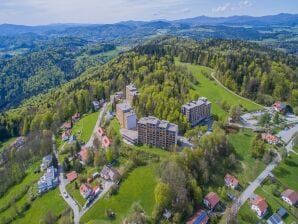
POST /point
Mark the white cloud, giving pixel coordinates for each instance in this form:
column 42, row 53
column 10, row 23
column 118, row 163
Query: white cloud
column 222, row 8
column 244, row 4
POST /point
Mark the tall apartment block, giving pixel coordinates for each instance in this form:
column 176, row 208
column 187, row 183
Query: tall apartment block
column 126, row 116
column 152, row 131
column 131, row 93
column 197, row 111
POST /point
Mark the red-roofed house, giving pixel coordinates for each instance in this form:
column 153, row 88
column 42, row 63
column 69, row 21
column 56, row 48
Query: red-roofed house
column 259, row 205
column 231, row 181
column 86, row 190
column 106, row 142
column 66, row 125
column 290, row 196
column 83, row 154
column 76, row 117
column 108, row 173
column 211, row 200
column 65, row 135
column 200, row 217
column 271, row 139
column 72, row 176
column 100, row 132
column 279, row 106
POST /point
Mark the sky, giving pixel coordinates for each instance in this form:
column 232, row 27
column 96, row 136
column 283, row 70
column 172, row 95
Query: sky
column 39, row 12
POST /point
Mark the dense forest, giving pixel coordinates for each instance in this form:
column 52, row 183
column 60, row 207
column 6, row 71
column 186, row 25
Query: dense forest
column 47, row 65
column 249, row 69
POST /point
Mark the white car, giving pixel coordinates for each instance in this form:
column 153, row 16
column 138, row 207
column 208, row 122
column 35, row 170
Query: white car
column 65, row 194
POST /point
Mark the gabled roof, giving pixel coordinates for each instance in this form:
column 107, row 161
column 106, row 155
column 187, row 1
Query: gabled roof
column 72, row 176
column 291, row 195
column 260, row 203
column 200, row 217
column 212, row 198
column 231, row 179
column 84, row 154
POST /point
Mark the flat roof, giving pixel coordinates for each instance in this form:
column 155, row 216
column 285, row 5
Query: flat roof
column 160, row 123
column 199, row 102
column 123, row 106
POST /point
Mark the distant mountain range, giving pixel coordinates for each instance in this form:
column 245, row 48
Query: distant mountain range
column 282, row 19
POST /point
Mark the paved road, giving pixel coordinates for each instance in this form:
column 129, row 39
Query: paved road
column 102, row 112
column 69, row 200
column 287, row 135
column 248, row 192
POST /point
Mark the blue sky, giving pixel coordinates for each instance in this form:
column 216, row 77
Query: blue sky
column 36, row 12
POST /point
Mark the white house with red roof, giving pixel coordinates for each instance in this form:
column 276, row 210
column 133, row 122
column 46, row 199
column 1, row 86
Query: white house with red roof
column 211, row 200
column 72, row 176
column 259, row 205
column 83, row 154
column 271, row 139
column 279, row 106
column 86, row 190
column 290, row 196
column 106, row 142
column 231, row 181
column 76, row 117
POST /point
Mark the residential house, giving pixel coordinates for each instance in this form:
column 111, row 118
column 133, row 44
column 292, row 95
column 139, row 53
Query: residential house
column 76, row 117
column 72, row 139
column 275, row 219
column 46, row 162
column 96, row 104
column 290, row 196
column 86, row 190
column 100, row 132
column 201, row 217
column 279, row 107
column 72, row 176
column 271, row 139
column 48, row 181
column 259, row 205
column 83, row 154
column 108, row 173
column 65, row 135
column 66, row 125
column 231, row 181
column 211, row 200
column 106, row 142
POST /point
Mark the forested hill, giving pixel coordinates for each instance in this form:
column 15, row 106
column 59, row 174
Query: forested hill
column 164, row 86
column 48, row 65
column 256, row 72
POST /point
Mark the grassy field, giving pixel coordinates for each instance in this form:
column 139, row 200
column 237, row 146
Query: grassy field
column 246, row 215
column 287, row 172
column 75, row 193
column 215, row 93
column 138, row 187
column 3, row 145
column 84, row 127
column 250, row 168
column 275, row 202
column 50, row 201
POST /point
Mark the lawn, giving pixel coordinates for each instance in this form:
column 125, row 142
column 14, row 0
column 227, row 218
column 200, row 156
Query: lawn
column 215, row 93
column 275, row 202
column 84, row 127
column 287, row 172
column 250, row 167
column 75, row 194
column 49, row 202
column 138, row 187
column 3, row 145
column 246, row 215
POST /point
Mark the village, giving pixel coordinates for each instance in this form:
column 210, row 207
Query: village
column 93, row 183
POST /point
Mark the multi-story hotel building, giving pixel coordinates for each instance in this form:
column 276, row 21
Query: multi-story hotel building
column 155, row 132
column 197, row 111
column 126, row 116
column 131, row 93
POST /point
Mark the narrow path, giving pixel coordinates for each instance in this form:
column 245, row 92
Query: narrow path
column 246, row 99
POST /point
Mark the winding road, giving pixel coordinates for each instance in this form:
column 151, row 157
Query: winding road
column 63, row 182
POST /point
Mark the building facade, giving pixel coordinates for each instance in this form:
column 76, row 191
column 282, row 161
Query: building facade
column 197, row 111
column 126, row 116
column 131, row 92
column 152, row 131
